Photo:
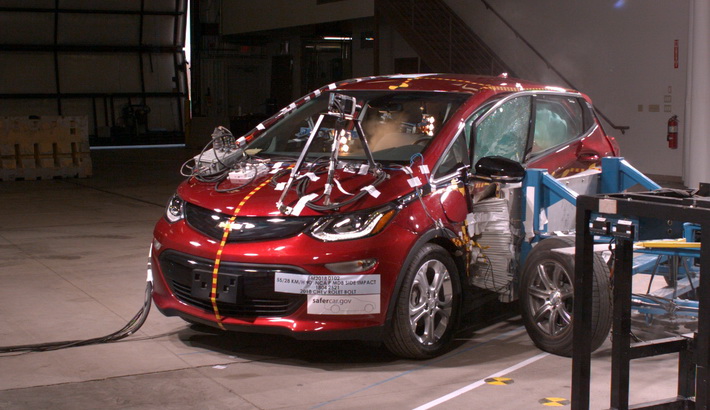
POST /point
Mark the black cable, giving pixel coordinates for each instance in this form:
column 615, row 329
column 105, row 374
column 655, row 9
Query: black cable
column 280, row 173
column 131, row 327
column 381, row 177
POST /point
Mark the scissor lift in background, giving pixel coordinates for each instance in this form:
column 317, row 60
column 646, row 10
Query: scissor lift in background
column 676, row 262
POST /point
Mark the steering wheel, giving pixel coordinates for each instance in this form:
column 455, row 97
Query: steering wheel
column 423, row 140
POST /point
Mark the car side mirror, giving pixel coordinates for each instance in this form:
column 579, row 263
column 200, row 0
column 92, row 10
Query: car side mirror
column 499, row 169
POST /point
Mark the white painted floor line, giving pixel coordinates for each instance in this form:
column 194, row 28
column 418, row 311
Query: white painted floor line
column 488, row 329
column 480, row 382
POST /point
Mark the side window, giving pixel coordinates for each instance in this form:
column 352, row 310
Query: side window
column 456, row 155
column 558, row 119
column 589, row 117
column 505, row 131
column 458, row 152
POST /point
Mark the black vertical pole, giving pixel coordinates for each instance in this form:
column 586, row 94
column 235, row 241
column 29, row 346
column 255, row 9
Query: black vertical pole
column 621, row 332
column 376, row 46
column 702, row 337
column 95, row 117
column 195, row 59
column 179, row 64
column 686, row 372
column 141, row 24
column 582, row 328
column 106, row 123
column 56, row 57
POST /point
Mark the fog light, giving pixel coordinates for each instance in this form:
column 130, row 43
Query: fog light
column 360, row 265
column 157, row 245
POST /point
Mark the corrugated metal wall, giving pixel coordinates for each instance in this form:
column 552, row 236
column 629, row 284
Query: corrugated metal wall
column 119, row 62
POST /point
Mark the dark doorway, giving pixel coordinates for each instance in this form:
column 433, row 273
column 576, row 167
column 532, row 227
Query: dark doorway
column 410, row 65
column 281, row 83
column 324, row 62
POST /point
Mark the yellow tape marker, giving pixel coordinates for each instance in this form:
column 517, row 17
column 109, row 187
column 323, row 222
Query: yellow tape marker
column 405, row 84
column 554, row 401
column 669, row 243
column 483, row 86
column 223, row 242
column 499, row 381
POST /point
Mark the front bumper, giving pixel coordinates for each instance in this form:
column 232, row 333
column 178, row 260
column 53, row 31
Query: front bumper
column 183, row 262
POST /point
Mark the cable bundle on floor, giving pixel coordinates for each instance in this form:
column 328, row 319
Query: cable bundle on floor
column 131, row 327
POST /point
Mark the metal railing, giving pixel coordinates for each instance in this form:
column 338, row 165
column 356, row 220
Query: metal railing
column 443, row 40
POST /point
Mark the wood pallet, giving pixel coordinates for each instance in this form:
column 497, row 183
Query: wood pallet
column 44, row 148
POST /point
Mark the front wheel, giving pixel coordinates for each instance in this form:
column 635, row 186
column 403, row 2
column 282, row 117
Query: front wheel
column 547, row 296
column 427, row 305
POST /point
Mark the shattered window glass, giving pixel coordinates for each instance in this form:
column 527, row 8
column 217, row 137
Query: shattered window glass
column 558, row 119
column 505, row 131
column 458, row 153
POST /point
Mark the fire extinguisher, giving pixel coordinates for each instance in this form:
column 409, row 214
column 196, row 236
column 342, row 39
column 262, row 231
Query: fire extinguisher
column 672, row 137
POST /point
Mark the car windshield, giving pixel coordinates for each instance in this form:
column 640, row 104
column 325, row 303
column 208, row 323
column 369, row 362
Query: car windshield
column 396, row 126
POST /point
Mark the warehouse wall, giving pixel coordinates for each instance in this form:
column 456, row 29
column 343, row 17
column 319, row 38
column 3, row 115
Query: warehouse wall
column 620, row 52
column 94, row 62
column 243, row 16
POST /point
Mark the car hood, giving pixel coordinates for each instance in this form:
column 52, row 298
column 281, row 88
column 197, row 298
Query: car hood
column 259, row 198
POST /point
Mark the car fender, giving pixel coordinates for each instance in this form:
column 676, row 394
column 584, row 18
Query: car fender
column 433, row 235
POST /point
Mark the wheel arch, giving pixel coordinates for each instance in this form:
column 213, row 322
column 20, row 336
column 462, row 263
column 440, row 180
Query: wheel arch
column 433, row 236
column 456, row 255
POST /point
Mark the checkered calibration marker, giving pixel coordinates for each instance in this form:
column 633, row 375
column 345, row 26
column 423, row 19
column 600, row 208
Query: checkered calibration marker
column 499, row 381
column 554, row 401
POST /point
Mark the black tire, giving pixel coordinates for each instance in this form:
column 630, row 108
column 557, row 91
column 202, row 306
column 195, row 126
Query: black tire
column 547, row 295
column 427, row 306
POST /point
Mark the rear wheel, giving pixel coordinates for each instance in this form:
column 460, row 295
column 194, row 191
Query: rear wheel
column 427, row 306
column 547, row 297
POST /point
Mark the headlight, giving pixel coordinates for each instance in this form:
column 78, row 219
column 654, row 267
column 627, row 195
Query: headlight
column 174, row 210
column 352, row 226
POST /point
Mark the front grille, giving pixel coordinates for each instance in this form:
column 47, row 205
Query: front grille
column 244, row 290
column 244, row 228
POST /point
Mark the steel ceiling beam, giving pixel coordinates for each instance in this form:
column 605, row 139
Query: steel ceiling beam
column 88, row 11
column 90, row 48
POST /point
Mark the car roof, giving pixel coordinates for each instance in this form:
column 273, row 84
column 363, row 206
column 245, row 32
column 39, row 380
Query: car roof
column 463, row 83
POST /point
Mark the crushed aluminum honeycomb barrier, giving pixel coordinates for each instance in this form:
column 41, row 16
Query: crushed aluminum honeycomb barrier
column 494, row 267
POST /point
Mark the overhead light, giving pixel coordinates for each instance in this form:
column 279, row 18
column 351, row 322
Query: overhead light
column 336, row 38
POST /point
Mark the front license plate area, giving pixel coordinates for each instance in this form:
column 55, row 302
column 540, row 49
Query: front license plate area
column 228, row 286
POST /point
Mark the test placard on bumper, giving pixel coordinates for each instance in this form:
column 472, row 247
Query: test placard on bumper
column 334, row 294
column 327, row 284
column 343, row 305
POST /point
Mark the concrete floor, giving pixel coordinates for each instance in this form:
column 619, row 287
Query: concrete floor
column 72, row 263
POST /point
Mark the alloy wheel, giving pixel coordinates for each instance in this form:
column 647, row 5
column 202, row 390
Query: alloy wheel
column 430, row 302
column 551, row 297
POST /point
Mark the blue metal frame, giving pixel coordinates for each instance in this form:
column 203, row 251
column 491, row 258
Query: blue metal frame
column 618, row 176
column 650, row 304
column 693, row 354
column 548, row 191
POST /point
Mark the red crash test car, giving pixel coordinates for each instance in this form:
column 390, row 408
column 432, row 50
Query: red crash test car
column 351, row 213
